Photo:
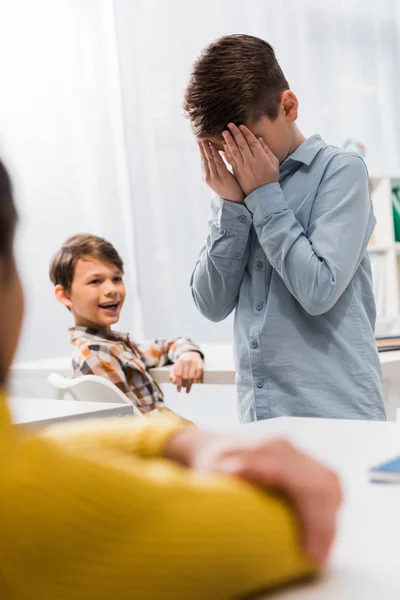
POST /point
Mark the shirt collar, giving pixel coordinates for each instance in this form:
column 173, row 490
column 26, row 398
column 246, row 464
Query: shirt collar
column 307, row 151
column 88, row 333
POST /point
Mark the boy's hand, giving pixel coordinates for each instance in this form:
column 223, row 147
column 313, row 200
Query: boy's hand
column 313, row 490
column 216, row 174
column 253, row 163
column 187, row 370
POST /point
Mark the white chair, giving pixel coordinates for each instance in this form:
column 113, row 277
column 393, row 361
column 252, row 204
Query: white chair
column 89, row 388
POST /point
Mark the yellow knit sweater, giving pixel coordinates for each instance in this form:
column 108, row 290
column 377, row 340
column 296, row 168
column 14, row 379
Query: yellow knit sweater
column 92, row 512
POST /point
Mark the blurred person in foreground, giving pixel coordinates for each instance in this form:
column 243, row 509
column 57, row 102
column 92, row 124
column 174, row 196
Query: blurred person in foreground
column 147, row 508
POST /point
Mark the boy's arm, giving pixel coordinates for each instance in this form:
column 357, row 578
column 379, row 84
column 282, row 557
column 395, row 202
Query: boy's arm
column 126, row 372
column 317, row 264
column 79, row 518
column 219, row 270
column 163, row 352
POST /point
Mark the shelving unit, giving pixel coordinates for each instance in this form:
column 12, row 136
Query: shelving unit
column 385, row 256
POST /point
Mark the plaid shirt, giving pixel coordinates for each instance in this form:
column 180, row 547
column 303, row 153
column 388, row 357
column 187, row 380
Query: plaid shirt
column 114, row 356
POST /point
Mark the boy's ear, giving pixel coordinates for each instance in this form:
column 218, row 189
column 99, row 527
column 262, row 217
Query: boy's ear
column 290, row 105
column 62, row 296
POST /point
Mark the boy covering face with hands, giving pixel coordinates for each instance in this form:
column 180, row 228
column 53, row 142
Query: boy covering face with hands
column 287, row 246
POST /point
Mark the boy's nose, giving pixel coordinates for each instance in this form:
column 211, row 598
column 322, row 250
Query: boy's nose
column 111, row 288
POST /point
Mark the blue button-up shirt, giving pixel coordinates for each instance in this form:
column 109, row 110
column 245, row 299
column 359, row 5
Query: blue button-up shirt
column 292, row 262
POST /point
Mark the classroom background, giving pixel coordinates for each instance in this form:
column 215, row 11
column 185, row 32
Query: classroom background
column 92, row 130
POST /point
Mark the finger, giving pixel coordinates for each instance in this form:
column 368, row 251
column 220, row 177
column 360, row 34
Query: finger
column 233, row 148
column 263, row 144
column 207, row 150
column 178, row 375
column 192, row 377
column 319, row 527
column 217, row 158
column 264, row 148
column 269, row 152
column 210, row 159
column 273, row 161
column 186, row 374
column 225, row 159
column 241, row 141
column 320, row 533
column 204, row 162
column 251, row 140
column 266, row 474
column 172, row 376
column 229, row 157
column 199, row 374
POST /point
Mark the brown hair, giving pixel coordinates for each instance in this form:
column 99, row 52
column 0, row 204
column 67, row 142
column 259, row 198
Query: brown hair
column 62, row 266
column 8, row 220
column 8, row 214
column 236, row 79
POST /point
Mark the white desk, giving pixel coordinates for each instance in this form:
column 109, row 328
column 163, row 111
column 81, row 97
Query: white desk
column 219, row 369
column 366, row 556
column 365, row 559
column 42, row 412
column 219, row 366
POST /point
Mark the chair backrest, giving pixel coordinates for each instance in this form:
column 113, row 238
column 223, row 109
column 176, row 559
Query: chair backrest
column 89, row 388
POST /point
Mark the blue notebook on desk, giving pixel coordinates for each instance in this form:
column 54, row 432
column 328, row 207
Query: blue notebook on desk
column 387, row 472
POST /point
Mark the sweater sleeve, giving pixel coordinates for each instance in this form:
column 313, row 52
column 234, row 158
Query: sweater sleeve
column 97, row 514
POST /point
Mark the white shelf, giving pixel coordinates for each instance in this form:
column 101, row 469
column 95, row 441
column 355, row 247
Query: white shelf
column 384, row 252
column 375, row 249
column 377, row 177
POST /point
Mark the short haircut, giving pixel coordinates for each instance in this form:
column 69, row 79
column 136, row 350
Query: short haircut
column 236, row 79
column 62, row 266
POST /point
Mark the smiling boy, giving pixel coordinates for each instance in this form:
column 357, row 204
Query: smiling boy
column 87, row 273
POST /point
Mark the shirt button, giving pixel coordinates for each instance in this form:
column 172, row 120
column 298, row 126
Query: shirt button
column 243, row 219
column 259, row 264
column 254, row 344
column 259, row 305
column 260, row 384
column 237, row 255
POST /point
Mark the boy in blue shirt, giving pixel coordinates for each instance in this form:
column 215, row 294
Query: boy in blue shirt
column 287, row 246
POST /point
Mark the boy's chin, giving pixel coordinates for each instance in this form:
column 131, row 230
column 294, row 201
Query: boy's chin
column 111, row 320
column 107, row 321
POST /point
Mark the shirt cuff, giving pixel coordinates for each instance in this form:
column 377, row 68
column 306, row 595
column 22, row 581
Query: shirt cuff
column 232, row 216
column 265, row 201
column 187, row 347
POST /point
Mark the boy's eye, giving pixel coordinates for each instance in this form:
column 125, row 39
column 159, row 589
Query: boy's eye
column 94, row 281
column 117, row 279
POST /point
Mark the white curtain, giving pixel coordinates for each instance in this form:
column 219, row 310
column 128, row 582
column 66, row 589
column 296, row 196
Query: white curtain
column 62, row 136
column 341, row 57
column 91, row 126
